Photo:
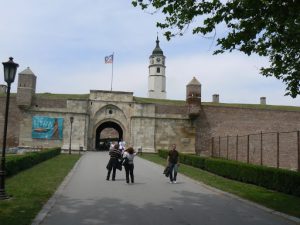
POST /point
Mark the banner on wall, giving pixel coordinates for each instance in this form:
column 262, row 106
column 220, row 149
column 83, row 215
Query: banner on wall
column 47, row 127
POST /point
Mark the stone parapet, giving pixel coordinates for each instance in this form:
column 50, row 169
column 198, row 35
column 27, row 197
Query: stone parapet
column 117, row 96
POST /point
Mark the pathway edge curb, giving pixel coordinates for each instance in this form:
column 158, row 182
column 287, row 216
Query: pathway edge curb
column 50, row 203
column 272, row 211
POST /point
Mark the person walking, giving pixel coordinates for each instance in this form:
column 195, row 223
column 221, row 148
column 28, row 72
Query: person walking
column 111, row 146
column 122, row 146
column 115, row 155
column 128, row 157
column 173, row 163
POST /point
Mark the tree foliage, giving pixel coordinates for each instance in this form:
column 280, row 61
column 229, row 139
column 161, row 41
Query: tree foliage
column 269, row 28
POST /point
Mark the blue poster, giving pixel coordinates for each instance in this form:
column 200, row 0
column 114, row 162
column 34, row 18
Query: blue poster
column 47, row 127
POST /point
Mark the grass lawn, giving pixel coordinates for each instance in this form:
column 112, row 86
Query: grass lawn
column 31, row 189
column 275, row 200
column 235, row 105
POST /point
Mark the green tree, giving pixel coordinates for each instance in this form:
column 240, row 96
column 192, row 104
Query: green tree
column 269, row 28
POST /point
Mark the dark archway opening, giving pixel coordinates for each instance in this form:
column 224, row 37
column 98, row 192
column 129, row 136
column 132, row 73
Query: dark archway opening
column 107, row 132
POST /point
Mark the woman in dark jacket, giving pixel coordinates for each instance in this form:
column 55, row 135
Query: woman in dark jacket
column 115, row 155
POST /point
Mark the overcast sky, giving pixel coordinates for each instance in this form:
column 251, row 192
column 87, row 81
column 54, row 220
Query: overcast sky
column 64, row 42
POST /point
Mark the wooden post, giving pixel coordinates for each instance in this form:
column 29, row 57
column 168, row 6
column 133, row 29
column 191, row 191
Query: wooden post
column 248, row 145
column 227, row 147
column 237, row 148
column 298, row 141
column 212, row 147
column 277, row 164
column 261, row 148
column 219, row 146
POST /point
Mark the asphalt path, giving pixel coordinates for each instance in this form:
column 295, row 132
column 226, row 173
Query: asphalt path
column 85, row 197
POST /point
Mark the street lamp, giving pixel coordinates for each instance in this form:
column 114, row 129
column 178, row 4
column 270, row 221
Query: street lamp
column 10, row 69
column 71, row 121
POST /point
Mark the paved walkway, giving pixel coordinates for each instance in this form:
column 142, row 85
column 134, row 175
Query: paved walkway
column 85, row 197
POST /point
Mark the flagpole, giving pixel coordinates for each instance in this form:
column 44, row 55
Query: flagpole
column 112, row 71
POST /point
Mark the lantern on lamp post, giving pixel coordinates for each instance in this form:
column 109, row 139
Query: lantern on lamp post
column 71, row 121
column 10, row 70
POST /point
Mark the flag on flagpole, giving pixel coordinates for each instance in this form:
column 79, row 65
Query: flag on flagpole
column 109, row 59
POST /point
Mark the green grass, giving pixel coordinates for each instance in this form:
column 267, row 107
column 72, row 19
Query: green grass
column 62, row 96
column 142, row 100
column 48, row 95
column 31, row 189
column 271, row 199
column 235, row 105
column 253, row 106
column 160, row 101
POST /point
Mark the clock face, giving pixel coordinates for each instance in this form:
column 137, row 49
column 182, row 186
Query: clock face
column 158, row 60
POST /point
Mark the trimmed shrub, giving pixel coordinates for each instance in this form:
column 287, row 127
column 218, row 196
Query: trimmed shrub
column 193, row 160
column 163, row 153
column 15, row 164
column 285, row 181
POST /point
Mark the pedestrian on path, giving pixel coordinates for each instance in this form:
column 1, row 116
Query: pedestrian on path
column 115, row 155
column 173, row 163
column 128, row 157
column 122, row 146
column 111, row 146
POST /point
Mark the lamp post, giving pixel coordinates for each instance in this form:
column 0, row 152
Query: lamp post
column 10, row 69
column 71, row 121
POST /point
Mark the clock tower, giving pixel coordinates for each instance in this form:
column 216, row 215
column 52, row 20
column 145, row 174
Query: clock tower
column 157, row 78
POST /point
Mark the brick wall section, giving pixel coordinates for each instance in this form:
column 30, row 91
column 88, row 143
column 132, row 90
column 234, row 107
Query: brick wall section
column 179, row 132
column 24, row 97
column 170, row 109
column 169, row 130
column 14, row 117
column 49, row 103
column 222, row 121
column 109, row 133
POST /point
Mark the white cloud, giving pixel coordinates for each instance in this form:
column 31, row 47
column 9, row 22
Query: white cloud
column 65, row 42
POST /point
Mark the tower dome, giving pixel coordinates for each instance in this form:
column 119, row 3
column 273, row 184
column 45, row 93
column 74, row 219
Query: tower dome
column 27, row 71
column 193, row 98
column 193, row 90
column 157, row 50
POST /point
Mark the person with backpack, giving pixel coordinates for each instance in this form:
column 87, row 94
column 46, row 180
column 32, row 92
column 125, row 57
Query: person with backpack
column 128, row 157
column 112, row 165
column 173, row 163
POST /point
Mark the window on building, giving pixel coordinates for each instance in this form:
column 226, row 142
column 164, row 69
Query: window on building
column 157, row 70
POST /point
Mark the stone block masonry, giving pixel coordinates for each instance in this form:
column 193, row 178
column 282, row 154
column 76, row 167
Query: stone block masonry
column 263, row 136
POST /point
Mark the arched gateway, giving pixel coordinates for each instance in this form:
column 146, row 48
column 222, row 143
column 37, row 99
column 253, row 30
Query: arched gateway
column 105, row 133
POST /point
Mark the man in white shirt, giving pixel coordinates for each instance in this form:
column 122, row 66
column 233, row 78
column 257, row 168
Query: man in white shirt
column 122, row 146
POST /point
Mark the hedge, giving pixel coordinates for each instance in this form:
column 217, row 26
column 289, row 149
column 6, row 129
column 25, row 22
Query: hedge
column 285, row 181
column 15, row 164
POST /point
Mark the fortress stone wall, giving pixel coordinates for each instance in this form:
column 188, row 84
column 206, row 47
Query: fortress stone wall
column 215, row 121
column 153, row 124
column 145, row 125
column 14, row 120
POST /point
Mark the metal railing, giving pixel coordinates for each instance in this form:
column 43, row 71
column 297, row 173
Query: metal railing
column 275, row 149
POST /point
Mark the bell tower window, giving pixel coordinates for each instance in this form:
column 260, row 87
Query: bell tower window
column 157, row 70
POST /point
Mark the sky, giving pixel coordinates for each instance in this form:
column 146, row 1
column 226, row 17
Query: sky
column 64, row 43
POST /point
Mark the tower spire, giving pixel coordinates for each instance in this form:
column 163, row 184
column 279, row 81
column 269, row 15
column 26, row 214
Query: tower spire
column 157, row 50
column 157, row 78
column 157, row 42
